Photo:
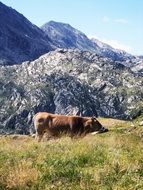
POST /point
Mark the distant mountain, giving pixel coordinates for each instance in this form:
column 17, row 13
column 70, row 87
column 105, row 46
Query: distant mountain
column 65, row 36
column 70, row 82
column 20, row 40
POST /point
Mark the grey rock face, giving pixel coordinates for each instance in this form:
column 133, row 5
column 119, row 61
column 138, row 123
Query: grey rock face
column 138, row 67
column 67, row 82
column 20, row 40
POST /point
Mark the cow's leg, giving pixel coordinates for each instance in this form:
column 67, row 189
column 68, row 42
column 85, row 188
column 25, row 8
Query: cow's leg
column 39, row 135
column 36, row 135
column 74, row 136
column 48, row 135
column 82, row 135
column 78, row 135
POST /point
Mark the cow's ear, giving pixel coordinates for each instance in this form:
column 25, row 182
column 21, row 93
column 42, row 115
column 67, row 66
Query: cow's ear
column 93, row 118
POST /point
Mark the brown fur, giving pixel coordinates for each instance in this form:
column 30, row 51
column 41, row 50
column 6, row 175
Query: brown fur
column 55, row 125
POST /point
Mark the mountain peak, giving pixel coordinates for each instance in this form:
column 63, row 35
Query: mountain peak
column 62, row 28
column 65, row 36
column 54, row 23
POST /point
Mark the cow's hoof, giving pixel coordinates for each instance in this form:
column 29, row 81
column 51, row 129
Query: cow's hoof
column 33, row 135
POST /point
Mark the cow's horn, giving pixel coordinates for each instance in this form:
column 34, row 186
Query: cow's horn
column 94, row 133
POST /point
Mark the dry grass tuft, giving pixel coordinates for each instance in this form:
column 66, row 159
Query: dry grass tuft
column 21, row 175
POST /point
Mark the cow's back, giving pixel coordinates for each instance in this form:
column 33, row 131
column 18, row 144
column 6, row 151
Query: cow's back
column 65, row 124
column 72, row 124
column 60, row 124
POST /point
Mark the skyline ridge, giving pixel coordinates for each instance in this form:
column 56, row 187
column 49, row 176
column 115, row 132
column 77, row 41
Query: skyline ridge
column 118, row 23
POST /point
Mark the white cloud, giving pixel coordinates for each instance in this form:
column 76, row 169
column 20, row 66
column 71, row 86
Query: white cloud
column 93, row 36
column 118, row 45
column 113, row 43
column 106, row 19
column 120, row 20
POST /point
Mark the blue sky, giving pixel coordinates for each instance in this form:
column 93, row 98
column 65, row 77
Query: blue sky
column 116, row 22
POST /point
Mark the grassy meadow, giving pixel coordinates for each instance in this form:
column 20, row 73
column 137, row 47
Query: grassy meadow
column 108, row 161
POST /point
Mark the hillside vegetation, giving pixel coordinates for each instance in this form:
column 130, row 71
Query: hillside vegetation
column 107, row 161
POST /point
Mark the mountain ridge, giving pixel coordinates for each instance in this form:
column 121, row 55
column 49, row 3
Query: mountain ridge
column 20, row 40
column 68, row 37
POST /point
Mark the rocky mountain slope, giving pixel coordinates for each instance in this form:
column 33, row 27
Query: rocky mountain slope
column 67, row 82
column 65, row 36
column 138, row 67
column 20, row 40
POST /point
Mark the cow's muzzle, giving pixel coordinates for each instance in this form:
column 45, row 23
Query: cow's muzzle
column 102, row 130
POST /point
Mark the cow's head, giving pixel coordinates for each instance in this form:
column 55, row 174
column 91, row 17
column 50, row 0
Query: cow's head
column 93, row 126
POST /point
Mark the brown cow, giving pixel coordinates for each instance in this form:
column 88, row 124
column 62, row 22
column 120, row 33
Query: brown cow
column 55, row 125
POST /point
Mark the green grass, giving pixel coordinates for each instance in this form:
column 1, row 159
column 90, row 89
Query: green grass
column 109, row 161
